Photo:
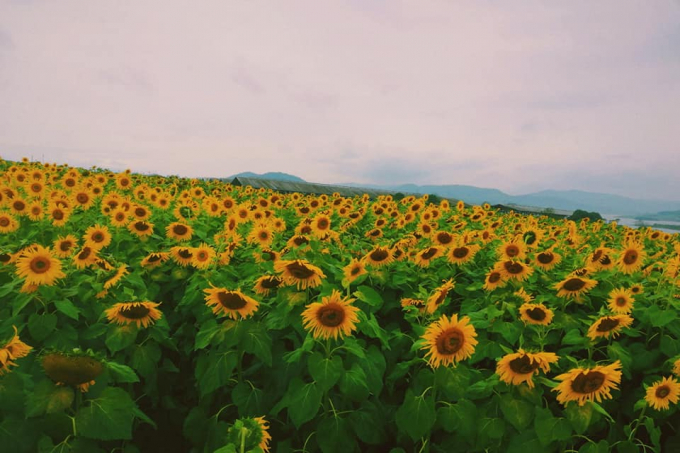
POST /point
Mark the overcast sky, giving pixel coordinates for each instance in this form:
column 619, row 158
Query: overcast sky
column 514, row 95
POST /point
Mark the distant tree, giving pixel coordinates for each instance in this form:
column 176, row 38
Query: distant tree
column 581, row 214
column 398, row 196
column 434, row 199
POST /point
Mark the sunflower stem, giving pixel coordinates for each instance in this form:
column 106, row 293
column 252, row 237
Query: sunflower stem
column 631, row 436
column 244, row 433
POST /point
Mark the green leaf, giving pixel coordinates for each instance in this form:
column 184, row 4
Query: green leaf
column 460, row 418
column 374, row 366
column 627, row 447
column 325, row 372
column 120, row 337
column 494, row 428
column 333, row 435
column 305, row 401
column 517, row 412
column 257, row 341
column 206, row 333
column 549, row 428
column 592, row 447
column 40, row 326
column 416, row 416
column 48, row 397
column 122, row 373
column 368, row 424
column 353, row 383
column 659, row 317
column 66, row 307
column 452, row 382
column 370, row 296
column 248, row 400
column 226, row 449
column 214, row 370
column 145, row 358
column 579, row 416
column 108, row 417
column 353, row 347
column 296, row 355
column 574, row 337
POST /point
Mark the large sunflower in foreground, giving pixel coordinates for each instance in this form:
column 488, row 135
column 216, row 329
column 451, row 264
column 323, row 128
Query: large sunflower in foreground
column 13, row 349
column 574, row 286
column 230, row 303
column 37, row 265
column 300, row 273
column 334, row 317
column 609, row 326
column 521, row 366
column 449, row 341
column 139, row 313
column 663, row 392
column 588, row 384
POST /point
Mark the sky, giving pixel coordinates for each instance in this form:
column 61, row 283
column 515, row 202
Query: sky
column 520, row 96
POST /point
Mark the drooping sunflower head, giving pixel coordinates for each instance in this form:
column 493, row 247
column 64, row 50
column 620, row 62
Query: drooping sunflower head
column 522, row 366
column 77, row 369
column 449, row 340
column 300, row 273
column 439, row 296
column 609, row 326
column 266, row 284
column 537, row 314
column 139, row 313
column 334, row 317
column 588, row 384
column 250, row 433
column 12, row 348
column 574, row 287
column 379, row 256
column 660, row 394
column 230, row 303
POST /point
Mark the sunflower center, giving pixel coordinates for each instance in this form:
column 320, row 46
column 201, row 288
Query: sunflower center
column 596, row 256
column 442, row 296
column 513, row 267
column 82, row 198
column 40, row 265
column 19, row 205
column 57, row 214
column 154, row 258
column 574, row 284
column 429, row 253
column 355, row 270
column 444, row 238
column 331, row 315
column 134, row 312
column 300, row 240
column 202, row 256
column 4, row 221
column 85, row 253
column 512, row 251
column 271, row 282
column 608, row 324
column 379, row 255
column 141, row 226
column 300, row 270
column 545, row 257
column 461, row 252
column 231, row 301
column 375, row 232
column 494, row 277
column 264, row 235
column 450, row 341
column 630, row 257
column 662, row 391
column 185, row 253
column 621, row 301
column 322, row 224
column 98, row 237
column 65, row 246
column 588, row 383
column 536, row 313
column 5, row 257
column 523, row 365
column 71, row 370
column 140, row 212
column 180, row 230
column 605, row 260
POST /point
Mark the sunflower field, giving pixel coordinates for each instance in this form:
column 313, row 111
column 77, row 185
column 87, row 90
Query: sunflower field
column 147, row 313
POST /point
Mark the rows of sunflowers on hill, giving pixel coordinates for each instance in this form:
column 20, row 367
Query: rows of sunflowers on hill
column 116, row 279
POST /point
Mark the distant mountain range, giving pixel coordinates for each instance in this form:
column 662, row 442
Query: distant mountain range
column 557, row 199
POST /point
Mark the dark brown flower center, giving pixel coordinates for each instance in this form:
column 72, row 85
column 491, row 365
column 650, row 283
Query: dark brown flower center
column 574, row 284
column 84, row 253
column 322, row 224
column 300, row 271
column 19, row 205
column 607, row 324
column 621, row 301
column 432, row 251
column 98, row 237
column 596, row 256
column 461, row 252
column 513, row 267
column 605, row 260
column 180, row 230
column 140, row 212
column 662, row 391
column 185, row 253
column 264, row 235
column 523, row 365
column 153, row 258
column 444, row 238
column 141, row 226
column 379, row 255
column 82, row 198
column 512, row 251
column 57, row 214
column 588, row 383
column 40, row 265
column 545, row 257
column 300, row 240
column 450, row 341
column 4, row 221
column 355, row 270
column 271, row 282
column 494, row 277
column 536, row 313
column 232, row 301
column 134, row 311
column 65, row 246
column 331, row 315
column 5, row 257
column 630, row 257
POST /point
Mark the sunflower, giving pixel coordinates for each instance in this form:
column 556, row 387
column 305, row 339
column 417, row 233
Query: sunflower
column 663, row 392
column 547, row 259
column 493, row 280
column 609, row 326
column 631, row 257
column 621, row 300
column 514, row 270
column 321, row 224
column 462, row 253
column 298, row 241
column 426, row 256
column 120, row 273
column 13, row 349
column 36, row 211
column 574, row 286
column 76, row 369
column 262, row 235
column 379, row 256
column 409, row 302
column 588, row 384
column 97, row 237
column 179, row 231
column 537, row 314
column 86, row 256
column 230, row 303
column 182, row 255
column 439, row 296
column 449, row 341
column 676, row 368
column 118, row 217
column 334, row 316
column 637, row 289
column 8, row 223
column 300, row 273
column 141, row 228
column 154, row 259
column 203, row 256
column 265, row 284
column 512, row 250
column 37, row 265
column 139, row 313
column 521, row 366
column 354, row 270
column 18, row 206
column 443, row 238
column 266, row 437
column 267, row 255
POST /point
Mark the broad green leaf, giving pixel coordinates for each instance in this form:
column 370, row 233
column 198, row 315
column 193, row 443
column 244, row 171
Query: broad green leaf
column 214, row 370
column 416, row 416
column 145, row 358
column 460, row 418
column 48, row 397
column 304, row 403
column 120, row 337
column 370, row 296
column 40, row 326
column 248, row 399
column 325, row 372
column 579, row 416
column 549, row 428
column 206, row 333
column 108, row 417
column 517, row 412
column 66, row 307
column 257, row 341
column 353, row 383
column 335, row 435
column 122, row 373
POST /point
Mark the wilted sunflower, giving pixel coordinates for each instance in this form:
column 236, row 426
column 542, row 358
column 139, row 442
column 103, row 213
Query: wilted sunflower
column 265, row 284
column 449, row 341
column 574, row 287
column 379, row 256
column 12, row 349
column 521, row 366
column 409, row 302
column 334, row 317
column 182, row 255
column 547, row 259
column 141, row 228
column 663, row 392
column 621, row 300
column 631, row 257
column 537, row 314
column 514, row 270
column 230, row 303
column 426, row 256
column 588, row 384
column 439, row 296
column 354, row 270
column 203, row 256
column 37, row 265
column 493, row 280
column 97, row 237
column 609, row 326
column 77, row 369
column 139, row 313
column 300, row 273
column 179, row 231
column 65, row 245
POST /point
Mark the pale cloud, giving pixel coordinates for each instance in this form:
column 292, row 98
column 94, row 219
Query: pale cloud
column 513, row 95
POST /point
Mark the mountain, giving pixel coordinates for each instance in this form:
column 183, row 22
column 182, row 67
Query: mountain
column 270, row 175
